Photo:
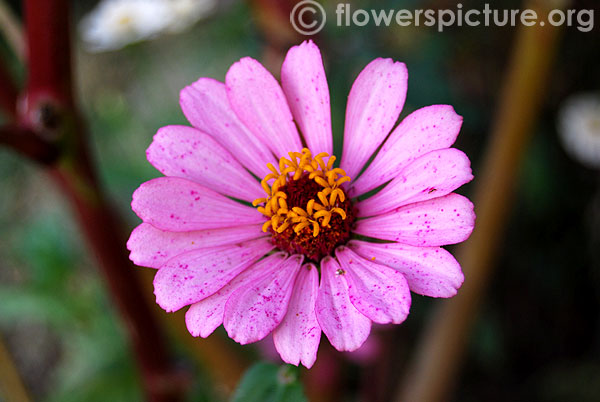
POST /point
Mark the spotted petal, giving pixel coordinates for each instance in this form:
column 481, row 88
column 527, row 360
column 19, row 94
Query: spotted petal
column 193, row 276
column 433, row 175
column 152, row 247
column 345, row 327
column 186, row 152
column 437, row 222
column 205, row 316
column 254, row 311
column 297, row 337
column 379, row 292
column 181, row 205
column 424, row 130
column 259, row 102
column 305, row 87
column 430, row 271
column 374, row 104
column 206, row 106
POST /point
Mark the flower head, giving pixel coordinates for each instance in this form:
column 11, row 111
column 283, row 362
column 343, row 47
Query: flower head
column 114, row 24
column 313, row 253
column 579, row 128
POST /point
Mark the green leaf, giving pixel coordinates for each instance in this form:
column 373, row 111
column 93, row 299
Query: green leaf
column 266, row 382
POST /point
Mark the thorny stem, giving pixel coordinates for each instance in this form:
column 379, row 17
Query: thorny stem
column 438, row 357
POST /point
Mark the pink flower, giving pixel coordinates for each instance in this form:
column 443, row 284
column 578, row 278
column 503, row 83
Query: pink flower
column 313, row 253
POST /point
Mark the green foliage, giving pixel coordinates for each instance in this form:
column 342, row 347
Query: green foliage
column 267, row 382
column 63, row 294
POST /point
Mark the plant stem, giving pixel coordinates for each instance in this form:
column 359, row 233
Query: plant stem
column 438, row 357
column 28, row 143
column 50, row 116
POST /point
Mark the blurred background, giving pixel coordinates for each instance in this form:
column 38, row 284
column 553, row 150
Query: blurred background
column 537, row 333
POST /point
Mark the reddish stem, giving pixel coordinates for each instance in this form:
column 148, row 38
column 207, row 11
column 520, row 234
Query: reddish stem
column 51, row 115
column 28, row 143
column 48, row 50
column 103, row 229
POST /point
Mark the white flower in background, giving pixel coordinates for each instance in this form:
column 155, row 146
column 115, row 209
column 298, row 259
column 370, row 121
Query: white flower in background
column 114, row 24
column 579, row 127
column 188, row 12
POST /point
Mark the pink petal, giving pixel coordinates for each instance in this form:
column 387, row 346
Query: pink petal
column 379, row 292
column 186, row 152
column 374, row 104
column 152, row 247
column 180, row 205
column 345, row 327
column 432, row 175
column 297, row 337
column 424, row 130
column 305, row 87
column 206, row 106
column 195, row 275
column 259, row 102
column 251, row 313
column 437, row 222
column 205, row 316
column 430, row 271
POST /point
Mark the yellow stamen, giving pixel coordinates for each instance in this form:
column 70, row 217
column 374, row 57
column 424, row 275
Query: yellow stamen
column 336, row 193
column 275, row 221
column 323, row 199
column 330, row 163
column 321, row 181
column 299, row 211
column 342, row 180
column 321, row 214
column 309, row 206
column 258, row 201
column 283, row 227
column 265, row 187
column 340, row 211
column 315, row 228
column 318, row 207
column 318, row 212
column 271, row 176
column 300, row 226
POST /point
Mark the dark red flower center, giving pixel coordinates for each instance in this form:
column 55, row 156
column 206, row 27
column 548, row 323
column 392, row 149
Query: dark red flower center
column 307, row 208
column 299, row 193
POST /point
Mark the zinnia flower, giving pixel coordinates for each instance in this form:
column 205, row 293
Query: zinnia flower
column 310, row 254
